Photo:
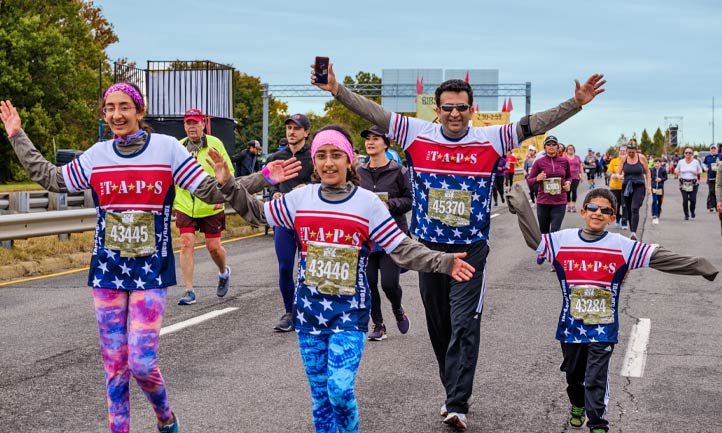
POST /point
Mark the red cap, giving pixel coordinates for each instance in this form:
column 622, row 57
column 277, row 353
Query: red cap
column 193, row 114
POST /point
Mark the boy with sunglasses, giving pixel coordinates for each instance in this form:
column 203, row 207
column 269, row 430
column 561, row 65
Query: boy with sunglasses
column 591, row 265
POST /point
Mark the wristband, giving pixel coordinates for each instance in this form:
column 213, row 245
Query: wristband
column 14, row 133
column 267, row 174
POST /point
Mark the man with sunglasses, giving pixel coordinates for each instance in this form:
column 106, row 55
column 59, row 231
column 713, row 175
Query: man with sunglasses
column 451, row 168
column 592, row 265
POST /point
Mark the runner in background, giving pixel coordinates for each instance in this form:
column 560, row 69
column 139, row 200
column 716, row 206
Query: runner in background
column 688, row 170
column 509, row 171
column 390, row 182
column 712, row 162
column 551, row 177
column 575, row 169
column 590, row 167
column 658, row 176
column 636, row 184
column 193, row 214
column 528, row 161
column 616, row 181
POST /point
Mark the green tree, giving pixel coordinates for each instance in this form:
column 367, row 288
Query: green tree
column 50, row 54
column 335, row 112
column 248, row 111
column 658, row 142
column 645, row 143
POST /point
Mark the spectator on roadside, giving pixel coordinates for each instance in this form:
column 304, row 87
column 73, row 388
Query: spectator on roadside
column 285, row 240
column 247, row 161
column 193, row 214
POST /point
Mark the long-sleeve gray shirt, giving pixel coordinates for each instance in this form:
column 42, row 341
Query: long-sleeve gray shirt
column 51, row 178
column 409, row 254
column 661, row 260
column 539, row 122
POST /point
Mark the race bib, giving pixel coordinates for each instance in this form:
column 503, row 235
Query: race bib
column 384, row 196
column 331, row 268
column 450, row 206
column 657, row 191
column 714, row 166
column 553, row 186
column 131, row 233
column 592, row 305
column 688, row 186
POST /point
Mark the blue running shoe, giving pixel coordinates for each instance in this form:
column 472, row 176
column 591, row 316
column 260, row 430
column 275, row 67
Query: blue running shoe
column 189, row 297
column 224, row 283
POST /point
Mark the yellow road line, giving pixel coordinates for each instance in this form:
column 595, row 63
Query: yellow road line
column 73, row 271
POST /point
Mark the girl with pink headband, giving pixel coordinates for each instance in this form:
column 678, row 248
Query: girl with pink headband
column 133, row 179
column 337, row 223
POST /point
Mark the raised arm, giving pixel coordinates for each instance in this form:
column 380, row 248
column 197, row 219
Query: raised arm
column 360, row 105
column 518, row 204
column 539, row 123
column 40, row 169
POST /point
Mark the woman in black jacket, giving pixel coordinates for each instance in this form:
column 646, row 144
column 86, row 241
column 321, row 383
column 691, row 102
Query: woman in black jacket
column 390, row 181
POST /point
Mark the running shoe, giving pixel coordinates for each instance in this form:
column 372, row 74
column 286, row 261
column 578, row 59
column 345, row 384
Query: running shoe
column 576, row 417
column 443, row 412
column 692, row 215
column 285, row 323
column 170, row 428
column 633, row 236
column 224, row 283
column 456, row 420
column 189, row 297
column 655, row 220
column 379, row 333
column 598, row 430
column 625, row 226
column 616, row 224
column 402, row 320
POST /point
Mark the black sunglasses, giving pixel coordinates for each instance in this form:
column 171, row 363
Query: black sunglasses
column 605, row 210
column 450, row 107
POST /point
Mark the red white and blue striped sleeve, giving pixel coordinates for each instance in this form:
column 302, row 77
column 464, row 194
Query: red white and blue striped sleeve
column 640, row 255
column 383, row 229
column 404, row 129
column 75, row 173
column 545, row 250
column 278, row 213
column 502, row 137
column 188, row 174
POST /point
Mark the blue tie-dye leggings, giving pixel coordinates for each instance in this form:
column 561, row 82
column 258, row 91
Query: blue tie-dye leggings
column 129, row 326
column 331, row 362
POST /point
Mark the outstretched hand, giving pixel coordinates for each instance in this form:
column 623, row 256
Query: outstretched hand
column 462, row 271
column 332, row 85
column 584, row 94
column 280, row 171
column 10, row 118
column 220, row 166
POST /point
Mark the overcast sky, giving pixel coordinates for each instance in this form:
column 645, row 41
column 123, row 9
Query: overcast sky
column 661, row 58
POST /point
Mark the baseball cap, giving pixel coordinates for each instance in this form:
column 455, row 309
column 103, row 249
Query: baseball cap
column 254, row 143
column 532, row 148
column 193, row 114
column 300, row 120
column 375, row 130
column 713, row 146
column 551, row 140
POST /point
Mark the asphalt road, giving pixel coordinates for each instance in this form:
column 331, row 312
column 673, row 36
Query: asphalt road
column 232, row 373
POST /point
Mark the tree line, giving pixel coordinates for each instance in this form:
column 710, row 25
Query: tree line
column 53, row 65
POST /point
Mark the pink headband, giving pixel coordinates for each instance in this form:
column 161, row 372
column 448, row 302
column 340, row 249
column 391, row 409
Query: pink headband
column 334, row 138
column 128, row 90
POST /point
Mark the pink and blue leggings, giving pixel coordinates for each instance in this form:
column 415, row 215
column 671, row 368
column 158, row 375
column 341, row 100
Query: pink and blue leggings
column 129, row 325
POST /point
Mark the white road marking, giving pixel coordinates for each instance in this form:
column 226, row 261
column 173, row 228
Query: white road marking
column 195, row 320
column 636, row 356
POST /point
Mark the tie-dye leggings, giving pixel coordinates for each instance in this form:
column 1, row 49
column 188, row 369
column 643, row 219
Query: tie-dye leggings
column 331, row 362
column 129, row 325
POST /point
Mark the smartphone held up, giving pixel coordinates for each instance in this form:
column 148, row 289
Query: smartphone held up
column 320, row 68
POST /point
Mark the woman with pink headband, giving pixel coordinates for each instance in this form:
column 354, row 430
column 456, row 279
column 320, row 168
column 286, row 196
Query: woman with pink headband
column 133, row 178
column 336, row 222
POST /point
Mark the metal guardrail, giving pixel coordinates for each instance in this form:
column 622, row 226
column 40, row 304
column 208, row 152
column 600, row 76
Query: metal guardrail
column 41, row 201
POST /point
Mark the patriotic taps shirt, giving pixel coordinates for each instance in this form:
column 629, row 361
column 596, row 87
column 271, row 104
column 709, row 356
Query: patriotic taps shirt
column 452, row 179
column 332, row 292
column 133, row 197
column 591, row 274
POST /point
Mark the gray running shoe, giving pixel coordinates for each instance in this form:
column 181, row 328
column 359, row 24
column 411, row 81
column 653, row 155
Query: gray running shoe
column 285, row 323
column 224, row 284
column 379, row 333
column 189, row 297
